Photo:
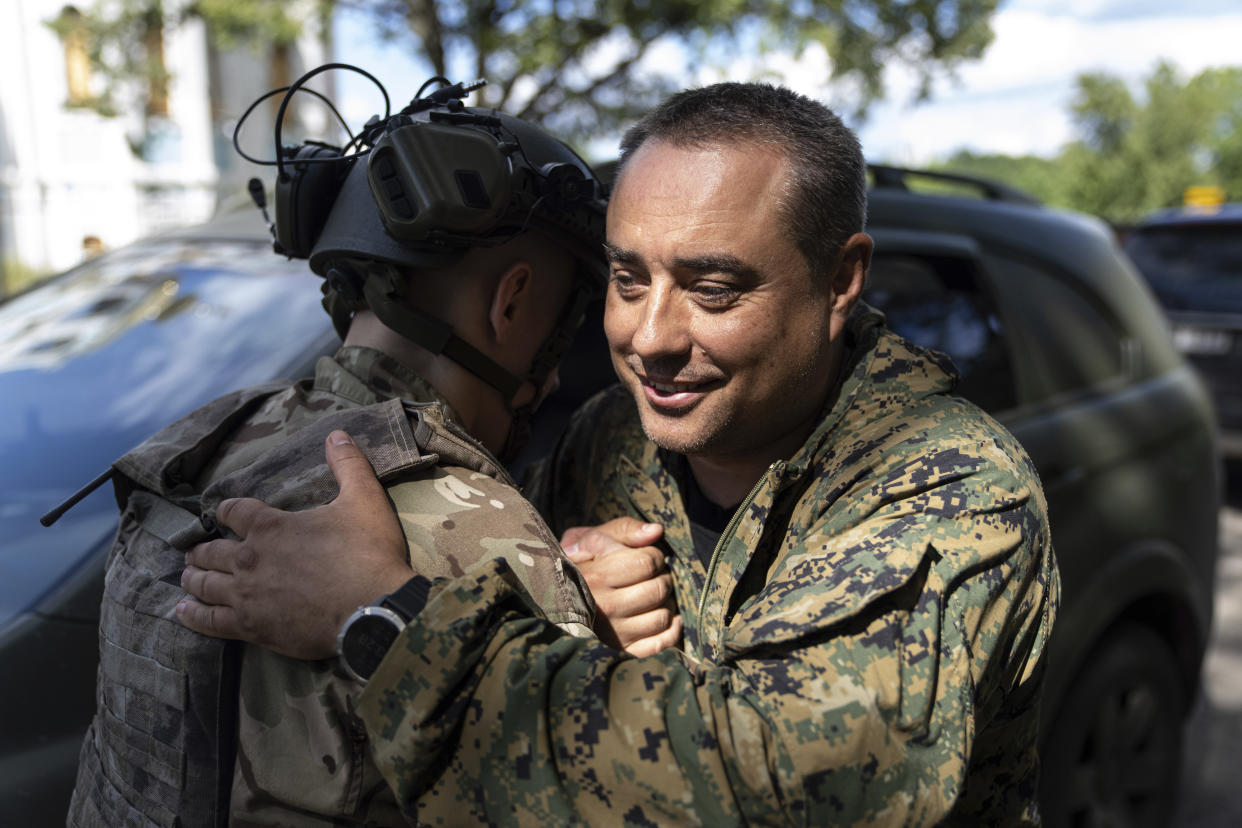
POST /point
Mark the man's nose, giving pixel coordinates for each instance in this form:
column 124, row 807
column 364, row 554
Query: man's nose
column 663, row 325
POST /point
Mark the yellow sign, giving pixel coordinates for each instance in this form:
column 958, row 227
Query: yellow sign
column 1204, row 198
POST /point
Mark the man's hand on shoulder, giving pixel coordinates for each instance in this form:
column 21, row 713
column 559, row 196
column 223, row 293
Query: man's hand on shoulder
column 294, row 577
column 629, row 581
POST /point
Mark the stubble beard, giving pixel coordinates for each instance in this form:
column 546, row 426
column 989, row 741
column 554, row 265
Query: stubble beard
column 706, row 439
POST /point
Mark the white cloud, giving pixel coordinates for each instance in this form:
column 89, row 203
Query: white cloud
column 1015, row 100
column 1123, row 9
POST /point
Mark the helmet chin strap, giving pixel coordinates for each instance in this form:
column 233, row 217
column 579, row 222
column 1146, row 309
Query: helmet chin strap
column 381, row 291
column 387, row 301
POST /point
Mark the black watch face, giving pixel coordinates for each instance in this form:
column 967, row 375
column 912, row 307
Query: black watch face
column 366, row 642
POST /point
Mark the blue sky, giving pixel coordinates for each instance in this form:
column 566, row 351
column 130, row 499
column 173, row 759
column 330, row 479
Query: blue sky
column 1015, row 100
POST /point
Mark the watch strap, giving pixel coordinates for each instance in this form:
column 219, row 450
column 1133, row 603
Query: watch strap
column 409, row 599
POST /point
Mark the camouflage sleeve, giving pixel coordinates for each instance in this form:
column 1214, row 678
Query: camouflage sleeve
column 482, row 712
column 455, row 517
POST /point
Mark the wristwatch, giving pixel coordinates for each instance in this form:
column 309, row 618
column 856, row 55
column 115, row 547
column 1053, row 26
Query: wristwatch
column 366, row 636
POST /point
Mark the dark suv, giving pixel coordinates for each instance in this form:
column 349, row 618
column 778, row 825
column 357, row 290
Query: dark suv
column 1051, row 328
column 1055, row 334
column 1192, row 258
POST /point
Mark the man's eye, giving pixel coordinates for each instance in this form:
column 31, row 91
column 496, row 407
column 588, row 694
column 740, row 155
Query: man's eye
column 625, row 283
column 713, row 293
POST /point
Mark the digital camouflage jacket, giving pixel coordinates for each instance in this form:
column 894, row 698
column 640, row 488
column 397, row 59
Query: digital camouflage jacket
column 302, row 757
column 866, row 646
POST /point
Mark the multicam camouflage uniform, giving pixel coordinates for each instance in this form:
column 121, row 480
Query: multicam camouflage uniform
column 302, row 757
column 866, row 646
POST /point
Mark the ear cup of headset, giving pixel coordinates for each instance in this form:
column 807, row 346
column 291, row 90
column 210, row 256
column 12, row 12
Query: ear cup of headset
column 305, row 193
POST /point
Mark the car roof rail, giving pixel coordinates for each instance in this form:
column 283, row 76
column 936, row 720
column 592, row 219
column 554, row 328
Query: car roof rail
column 895, row 178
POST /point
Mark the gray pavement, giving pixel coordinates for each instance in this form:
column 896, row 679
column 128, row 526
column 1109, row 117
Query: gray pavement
column 1211, row 785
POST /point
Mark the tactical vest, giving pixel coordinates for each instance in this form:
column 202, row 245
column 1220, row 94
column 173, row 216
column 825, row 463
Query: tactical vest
column 162, row 746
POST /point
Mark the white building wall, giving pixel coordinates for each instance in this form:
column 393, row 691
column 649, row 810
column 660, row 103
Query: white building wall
column 176, row 185
column 67, row 174
column 243, row 75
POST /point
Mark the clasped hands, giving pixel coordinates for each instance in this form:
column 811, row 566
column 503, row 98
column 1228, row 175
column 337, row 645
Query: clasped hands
column 293, row 578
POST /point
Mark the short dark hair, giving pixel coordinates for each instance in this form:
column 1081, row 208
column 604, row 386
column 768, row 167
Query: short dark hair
column 826, row 195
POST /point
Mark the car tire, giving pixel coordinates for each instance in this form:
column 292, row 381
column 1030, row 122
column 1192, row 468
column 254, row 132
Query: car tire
column 1113, row 754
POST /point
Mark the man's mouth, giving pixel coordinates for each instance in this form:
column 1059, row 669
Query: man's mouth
column 672, row 387
column 675, row 394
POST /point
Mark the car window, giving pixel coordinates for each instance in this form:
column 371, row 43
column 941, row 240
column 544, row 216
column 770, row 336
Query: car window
column 1073, row 342
column 1187, row 253
column 937, row 302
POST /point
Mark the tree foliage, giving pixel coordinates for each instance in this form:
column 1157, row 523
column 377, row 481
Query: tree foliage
column 580, row 66
column 1134, row 153
column 125, row 38
column 1041, row 177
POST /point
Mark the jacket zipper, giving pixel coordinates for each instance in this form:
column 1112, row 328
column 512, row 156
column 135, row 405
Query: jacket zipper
column 714, row 563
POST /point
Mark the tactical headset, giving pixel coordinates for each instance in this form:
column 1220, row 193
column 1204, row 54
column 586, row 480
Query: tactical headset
column 418, row 189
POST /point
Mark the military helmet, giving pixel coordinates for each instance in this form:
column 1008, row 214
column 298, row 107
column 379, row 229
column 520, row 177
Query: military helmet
column 444, row 179
column 417, row 190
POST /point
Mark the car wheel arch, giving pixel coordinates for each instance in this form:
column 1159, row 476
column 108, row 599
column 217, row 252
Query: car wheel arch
column 1115, row 754
column 1149, row 583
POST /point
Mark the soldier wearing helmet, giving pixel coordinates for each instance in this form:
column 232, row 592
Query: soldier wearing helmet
column 458, row 248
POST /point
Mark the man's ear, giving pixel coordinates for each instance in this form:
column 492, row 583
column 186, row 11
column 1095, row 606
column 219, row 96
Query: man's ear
column 509, row 297
column 850, row 277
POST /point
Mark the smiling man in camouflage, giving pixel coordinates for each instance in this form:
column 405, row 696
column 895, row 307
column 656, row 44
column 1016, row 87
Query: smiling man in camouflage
column 861, row 561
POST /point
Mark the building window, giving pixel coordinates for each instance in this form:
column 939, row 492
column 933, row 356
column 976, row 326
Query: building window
column 76, row 41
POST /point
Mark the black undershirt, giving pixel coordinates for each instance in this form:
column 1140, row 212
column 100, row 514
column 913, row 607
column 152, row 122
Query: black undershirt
column 707, row 520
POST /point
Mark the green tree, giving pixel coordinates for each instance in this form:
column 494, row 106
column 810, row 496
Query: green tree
column 1041, row 177
column 577, row 65
column 125, row 40
column 1136, row 155
column 1222, row 144
column 1133, row 153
